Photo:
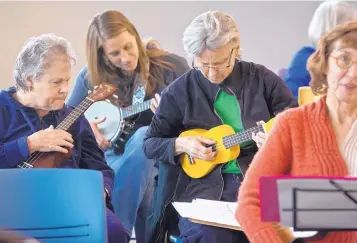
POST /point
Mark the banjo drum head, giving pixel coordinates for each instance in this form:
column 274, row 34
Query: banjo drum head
column 111, row 126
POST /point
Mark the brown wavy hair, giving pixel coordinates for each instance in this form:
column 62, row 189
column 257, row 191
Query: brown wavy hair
column 109, row 24
column 317, row 64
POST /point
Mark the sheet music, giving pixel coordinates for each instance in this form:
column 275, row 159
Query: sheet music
column 208, row 210
column 218, row 212
column 326, row 207
column 184, row 209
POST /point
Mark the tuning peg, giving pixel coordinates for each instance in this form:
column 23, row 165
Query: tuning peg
column 96, row 87
column 108, row 101
column 89, row 91
column 115, row 96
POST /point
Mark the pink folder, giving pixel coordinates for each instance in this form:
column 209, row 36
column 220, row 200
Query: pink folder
column 269, row 203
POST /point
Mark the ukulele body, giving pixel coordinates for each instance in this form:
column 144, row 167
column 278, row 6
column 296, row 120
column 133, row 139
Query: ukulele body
column 196, row 168
column 200, row 168
column 51, row 159
column 55, row 159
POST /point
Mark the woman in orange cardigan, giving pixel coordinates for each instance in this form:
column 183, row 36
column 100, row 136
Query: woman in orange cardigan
column 318, row 139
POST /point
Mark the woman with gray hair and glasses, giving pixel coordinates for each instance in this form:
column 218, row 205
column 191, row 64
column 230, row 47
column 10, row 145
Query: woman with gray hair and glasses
column 220, row 89
column 30, row 110
column 328, row 15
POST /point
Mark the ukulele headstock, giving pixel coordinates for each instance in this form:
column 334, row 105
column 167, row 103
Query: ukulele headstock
column 102, row 92
column 267, row 126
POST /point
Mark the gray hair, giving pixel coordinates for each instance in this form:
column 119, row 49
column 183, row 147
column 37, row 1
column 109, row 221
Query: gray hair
column 210, row 30
column 36, row 56
column 328, row 15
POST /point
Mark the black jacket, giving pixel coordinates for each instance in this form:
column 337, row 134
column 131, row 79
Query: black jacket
column 189, row 103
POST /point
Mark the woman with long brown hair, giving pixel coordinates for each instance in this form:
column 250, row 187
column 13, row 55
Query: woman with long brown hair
column 116, row 54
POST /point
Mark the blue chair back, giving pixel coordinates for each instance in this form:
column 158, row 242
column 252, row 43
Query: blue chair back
column 54, row 205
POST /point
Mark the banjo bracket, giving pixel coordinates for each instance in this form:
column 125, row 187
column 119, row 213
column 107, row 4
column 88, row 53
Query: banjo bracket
column 126, row 127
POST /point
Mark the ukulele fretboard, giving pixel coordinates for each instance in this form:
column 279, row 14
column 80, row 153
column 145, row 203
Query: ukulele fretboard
column 241, row 137
column 73, row 116
column 64, row 125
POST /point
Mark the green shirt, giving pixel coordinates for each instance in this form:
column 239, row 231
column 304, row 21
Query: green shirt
column 228, row 109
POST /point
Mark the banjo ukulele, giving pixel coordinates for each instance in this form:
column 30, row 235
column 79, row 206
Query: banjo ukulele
column 117, row 127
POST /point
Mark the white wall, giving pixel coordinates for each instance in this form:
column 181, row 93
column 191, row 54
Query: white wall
column 270, row 31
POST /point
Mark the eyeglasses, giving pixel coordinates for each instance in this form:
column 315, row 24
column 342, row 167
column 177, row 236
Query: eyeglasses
column 204, row 68
column 344, row 61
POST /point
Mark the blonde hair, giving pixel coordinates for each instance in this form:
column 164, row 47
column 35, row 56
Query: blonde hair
column 109, row 24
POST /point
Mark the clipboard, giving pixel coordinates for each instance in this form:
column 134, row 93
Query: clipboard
column 197, row 221
column 188, row 210
column 285, row 234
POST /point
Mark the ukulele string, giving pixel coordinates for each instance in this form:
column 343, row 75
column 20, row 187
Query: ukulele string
column 137, row 108
column 246, row 135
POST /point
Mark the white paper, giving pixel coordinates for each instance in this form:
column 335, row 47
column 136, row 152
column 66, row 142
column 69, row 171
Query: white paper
column 183, row 208
column 218, row 212
column 208, row 210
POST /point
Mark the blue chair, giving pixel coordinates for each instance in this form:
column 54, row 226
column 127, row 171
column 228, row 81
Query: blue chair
column 54, row 205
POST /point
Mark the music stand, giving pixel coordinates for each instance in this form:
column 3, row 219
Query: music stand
column 310, row 203
column 298, row 221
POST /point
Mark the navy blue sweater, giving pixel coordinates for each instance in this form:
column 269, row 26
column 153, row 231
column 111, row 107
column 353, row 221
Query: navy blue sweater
column 19, row 121
column 298, row 75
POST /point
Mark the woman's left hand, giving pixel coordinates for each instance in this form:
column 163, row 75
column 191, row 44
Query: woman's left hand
column 260, row 137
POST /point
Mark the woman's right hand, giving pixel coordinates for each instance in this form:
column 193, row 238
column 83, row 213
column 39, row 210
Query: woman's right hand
column 49, row 140
column 194, row 146
column 101, row 140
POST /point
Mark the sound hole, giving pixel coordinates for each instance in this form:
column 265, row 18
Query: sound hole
column 213, row 146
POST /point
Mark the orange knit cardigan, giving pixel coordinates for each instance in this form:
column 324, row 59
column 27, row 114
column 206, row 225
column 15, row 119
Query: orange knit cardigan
column 301, row 143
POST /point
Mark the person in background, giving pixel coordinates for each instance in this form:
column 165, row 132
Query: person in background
column 117, row 55
column 317, row 139
column 220, row 89
column 30, row 110
column 329, row 14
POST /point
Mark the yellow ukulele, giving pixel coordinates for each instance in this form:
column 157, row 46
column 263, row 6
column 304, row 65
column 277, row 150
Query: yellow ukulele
column 227, row 147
